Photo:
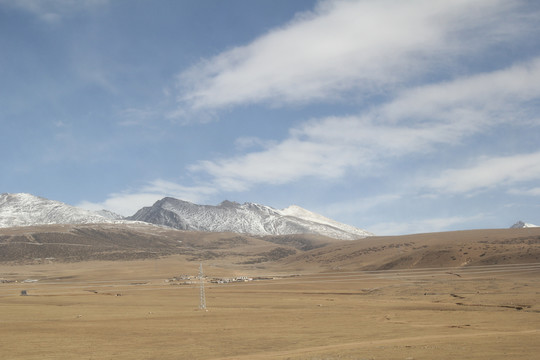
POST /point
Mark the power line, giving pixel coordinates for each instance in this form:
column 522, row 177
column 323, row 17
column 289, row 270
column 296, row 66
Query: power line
column 202, row 302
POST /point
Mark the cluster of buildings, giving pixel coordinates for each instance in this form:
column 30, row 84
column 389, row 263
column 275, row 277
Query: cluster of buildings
column 230, row 280
column 9, row 281
column 183, row 280
column 193, row 280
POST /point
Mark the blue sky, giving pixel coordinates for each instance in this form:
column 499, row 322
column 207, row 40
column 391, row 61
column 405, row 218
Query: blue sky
column 393, row 116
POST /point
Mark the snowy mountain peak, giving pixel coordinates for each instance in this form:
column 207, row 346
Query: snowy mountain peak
column 25, row 210
column 248, row 218
column 520, row 224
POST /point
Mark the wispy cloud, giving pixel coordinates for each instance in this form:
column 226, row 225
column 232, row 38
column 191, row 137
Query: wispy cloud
column 52, row 11
column 285, row 162
column 137, row 117
column 484, row 98
column 488, row 173
column 416, row 121
column 366, row 47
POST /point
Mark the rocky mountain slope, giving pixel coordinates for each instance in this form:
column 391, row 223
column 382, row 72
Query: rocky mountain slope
column 27, row 210
column 248, row 218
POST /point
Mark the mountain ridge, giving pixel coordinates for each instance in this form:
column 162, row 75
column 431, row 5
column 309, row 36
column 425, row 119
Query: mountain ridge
column 250, row 218
column 24, row 209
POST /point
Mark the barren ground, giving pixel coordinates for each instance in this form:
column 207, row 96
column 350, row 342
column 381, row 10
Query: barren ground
column 130, row 310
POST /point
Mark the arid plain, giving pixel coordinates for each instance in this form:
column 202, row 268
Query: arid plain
column 458, row 295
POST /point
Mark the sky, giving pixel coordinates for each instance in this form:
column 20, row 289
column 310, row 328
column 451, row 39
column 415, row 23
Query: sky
column 397, row 117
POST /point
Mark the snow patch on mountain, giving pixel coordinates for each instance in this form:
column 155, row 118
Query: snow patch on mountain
column 301, row 213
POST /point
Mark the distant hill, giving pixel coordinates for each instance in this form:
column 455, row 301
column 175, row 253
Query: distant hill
column 294, row 253
column 432, row 250
column 247, row 218
column 130, row 241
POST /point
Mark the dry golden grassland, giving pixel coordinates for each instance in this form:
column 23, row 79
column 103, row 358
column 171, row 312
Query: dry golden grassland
column 131, row 310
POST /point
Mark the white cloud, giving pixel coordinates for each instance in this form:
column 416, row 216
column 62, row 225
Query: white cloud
column 326, row 149
column 285, row 162
column 364, row 46
column 488, row 173
column 416, row 121
column 128, row 202
column 485, row 97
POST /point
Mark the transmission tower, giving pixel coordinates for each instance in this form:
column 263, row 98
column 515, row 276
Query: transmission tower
column 202, row 303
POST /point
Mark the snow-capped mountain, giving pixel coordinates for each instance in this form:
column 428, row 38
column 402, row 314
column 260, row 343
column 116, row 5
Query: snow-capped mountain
column 247, row 218
column 26, row 210
column 520, row 224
